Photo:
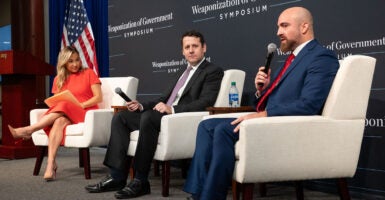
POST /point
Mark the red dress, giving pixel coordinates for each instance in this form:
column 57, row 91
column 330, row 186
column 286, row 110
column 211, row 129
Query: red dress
column 80, row 86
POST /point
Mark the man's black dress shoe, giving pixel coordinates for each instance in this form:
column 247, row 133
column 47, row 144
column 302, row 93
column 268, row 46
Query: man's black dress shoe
column 105, row 185
column 134, row 188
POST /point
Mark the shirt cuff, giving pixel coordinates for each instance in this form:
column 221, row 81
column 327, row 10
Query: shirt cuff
column 172, row 110
column 141, row 107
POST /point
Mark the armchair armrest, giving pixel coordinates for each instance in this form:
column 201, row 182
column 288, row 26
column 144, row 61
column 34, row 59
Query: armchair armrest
column 96, row 129
column 36, row 114
column 178, row 135
column 39, row 137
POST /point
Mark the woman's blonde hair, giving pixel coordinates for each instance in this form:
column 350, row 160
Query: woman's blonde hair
column 62, row 59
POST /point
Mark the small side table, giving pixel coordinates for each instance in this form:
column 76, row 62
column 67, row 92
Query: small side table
column 118, row 108
column 222, row 110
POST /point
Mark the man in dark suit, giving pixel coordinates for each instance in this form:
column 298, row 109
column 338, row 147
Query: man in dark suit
column 195, row 90
column 300, row 87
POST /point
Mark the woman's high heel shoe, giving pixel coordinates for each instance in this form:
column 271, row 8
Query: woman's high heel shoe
column 52, row 176
column 19, row 133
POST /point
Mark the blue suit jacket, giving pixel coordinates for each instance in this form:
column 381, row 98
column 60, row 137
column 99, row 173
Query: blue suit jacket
column 304, row 87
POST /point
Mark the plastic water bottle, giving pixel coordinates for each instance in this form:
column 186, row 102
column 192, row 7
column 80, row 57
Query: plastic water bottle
column 233, row 95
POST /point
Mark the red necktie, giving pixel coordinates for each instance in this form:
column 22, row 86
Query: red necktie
column 262, row 103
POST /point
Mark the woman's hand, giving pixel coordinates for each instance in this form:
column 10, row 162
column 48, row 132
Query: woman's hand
column 97, row 96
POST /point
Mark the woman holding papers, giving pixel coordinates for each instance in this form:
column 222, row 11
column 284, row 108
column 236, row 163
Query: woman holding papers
column 73, row 79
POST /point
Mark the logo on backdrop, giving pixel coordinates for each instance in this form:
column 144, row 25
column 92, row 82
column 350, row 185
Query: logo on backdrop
column 346, row 48
column 172, row 66
column 134, row 28
column 375, row 122
column 228, row 9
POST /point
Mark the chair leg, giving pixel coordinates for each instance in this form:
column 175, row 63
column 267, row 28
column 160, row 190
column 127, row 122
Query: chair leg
column 262, row 189
column 165, row 178
column 247, row 191
column 81, row 163
column 343, row 189
column 85, row 154
column 156, row 167
column 40, row 153
column 299, row 190
column 185, row 166
column 235, row 188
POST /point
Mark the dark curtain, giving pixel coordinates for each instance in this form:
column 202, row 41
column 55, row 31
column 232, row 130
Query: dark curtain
column 97, row 11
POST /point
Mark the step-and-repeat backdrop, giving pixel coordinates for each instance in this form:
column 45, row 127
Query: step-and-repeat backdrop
column 144, row 38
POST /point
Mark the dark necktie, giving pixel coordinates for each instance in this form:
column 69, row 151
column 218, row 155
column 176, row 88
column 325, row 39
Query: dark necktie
column 178, row 85
column 262, row 103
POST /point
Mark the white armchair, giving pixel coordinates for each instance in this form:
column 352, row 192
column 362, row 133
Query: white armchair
column 294, row 148
column 95, row 130
column 178, row 131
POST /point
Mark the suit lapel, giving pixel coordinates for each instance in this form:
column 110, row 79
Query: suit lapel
column 302, row 54
column 194, row 77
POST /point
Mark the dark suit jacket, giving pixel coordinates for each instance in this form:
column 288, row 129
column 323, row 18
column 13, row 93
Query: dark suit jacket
column 304, row 87
column 201, row 91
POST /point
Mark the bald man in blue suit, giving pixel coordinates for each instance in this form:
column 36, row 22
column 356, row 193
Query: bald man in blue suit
column 301, row 90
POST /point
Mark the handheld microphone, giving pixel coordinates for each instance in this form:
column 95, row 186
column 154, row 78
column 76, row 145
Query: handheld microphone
column 270, row 52
column 121, row 94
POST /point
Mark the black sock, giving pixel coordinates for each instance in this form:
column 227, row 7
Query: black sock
column 143, row 177
column 118, row 175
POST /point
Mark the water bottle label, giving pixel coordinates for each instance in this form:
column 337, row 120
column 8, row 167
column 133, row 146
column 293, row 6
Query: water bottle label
column 233, row 100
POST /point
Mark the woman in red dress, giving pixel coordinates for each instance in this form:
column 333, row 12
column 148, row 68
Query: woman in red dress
column 84, row 85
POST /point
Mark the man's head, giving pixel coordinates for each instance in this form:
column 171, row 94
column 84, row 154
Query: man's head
column 193, row 47
column 295, row 26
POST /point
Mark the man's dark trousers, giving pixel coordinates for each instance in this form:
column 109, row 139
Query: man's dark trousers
column 122, row 124
column 212, row 167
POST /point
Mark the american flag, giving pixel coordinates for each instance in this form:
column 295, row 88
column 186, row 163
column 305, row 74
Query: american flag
column 77, row 32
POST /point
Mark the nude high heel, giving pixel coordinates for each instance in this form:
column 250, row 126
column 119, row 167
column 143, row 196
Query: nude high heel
column 21, row 136
column 52, row 176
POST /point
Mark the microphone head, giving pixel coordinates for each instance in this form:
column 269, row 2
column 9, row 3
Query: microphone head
column 271, row 47
column 118, row 90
